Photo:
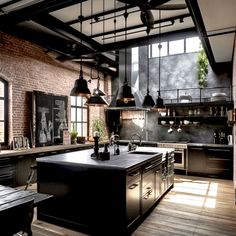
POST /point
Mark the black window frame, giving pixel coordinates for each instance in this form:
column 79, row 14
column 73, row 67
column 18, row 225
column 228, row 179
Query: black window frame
column 74, row 123
column 5, row 99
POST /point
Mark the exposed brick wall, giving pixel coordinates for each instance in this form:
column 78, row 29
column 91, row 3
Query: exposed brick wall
column 27, row 67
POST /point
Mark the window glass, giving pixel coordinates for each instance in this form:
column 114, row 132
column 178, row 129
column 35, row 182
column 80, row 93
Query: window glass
column 73, row 116
column 193, row 44
column 73, row 101
column 135, row 55
column 2, row 135
column 1, row 89
column 155, row 49
column 79, row 116
column 85, row 114
column 2, row 112
column 176, row 47
column 79, row 129
column 85, row 127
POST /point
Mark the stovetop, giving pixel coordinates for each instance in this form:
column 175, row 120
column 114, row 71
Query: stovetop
column 173, row 144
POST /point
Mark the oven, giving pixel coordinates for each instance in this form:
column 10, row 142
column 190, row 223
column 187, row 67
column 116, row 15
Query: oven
column 180, row 153
column 180, row 160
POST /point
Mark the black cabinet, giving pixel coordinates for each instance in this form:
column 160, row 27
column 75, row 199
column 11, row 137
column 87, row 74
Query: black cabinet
column 211, row 161
column 196, row 160
column 7, row 171
column 219, row 162
column 133, row 190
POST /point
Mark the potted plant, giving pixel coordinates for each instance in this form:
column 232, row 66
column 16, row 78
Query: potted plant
column 99, row 126
column 73, row 135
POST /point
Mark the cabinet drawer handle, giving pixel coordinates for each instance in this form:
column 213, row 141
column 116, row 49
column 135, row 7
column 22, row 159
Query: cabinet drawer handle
column 133, row 186
column 196, row 148
column 148, row 167
column 133, row 174
column 218, row 150
column 217, row 159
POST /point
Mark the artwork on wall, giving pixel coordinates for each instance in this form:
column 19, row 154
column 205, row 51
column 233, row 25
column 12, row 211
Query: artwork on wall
column 49, row 118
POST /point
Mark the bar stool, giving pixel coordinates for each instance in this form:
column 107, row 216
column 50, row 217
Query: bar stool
column 33, row 169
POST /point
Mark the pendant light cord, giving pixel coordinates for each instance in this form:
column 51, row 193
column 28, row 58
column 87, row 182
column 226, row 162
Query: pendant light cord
column 159, row 47
column 148, row 65
column 81, row 41
column 126, row 16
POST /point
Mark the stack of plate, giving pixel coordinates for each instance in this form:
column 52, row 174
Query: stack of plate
column 218, row 97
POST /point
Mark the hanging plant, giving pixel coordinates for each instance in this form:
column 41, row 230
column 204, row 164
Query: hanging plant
column 203, row 63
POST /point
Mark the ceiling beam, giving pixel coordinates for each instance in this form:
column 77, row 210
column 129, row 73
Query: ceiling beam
column 61, row 28
column 137, row 42
column 199, row 23
column 8, row 3
column 101, row 14
column 26, row 13
column 140, row 25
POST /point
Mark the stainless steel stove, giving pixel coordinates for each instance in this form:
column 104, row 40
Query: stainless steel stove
column 173, row 144
column 181, row 160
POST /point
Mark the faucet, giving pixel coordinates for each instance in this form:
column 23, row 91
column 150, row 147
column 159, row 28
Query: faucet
column 114, row 141
column 131, row 145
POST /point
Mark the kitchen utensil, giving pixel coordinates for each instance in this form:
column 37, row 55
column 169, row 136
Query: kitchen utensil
column 185, row 98
column 230, row 139
column 170, row 130
column 163, row 114
column 186, row 122
column 218, row 97
column 179, row 129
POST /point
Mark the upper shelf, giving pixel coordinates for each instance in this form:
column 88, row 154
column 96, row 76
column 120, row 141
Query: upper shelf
column 198, row 96
column 199, row 104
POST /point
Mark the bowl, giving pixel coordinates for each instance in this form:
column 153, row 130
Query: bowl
column 163, row 122
column 186, row 122
column 163, row 114
column 171, row 122
column 196, row 122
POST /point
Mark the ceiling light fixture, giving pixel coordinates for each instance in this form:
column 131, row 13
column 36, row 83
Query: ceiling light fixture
column 159, row 106
column 148, row 100
column 81, row 85
column 125, row 97
column 97, row 99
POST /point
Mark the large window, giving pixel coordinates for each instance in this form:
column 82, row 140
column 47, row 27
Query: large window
column 173, row 47
column 79, row 116
column 3, row 111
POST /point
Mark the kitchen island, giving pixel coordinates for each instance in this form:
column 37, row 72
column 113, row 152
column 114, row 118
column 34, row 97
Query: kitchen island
column 103, row 197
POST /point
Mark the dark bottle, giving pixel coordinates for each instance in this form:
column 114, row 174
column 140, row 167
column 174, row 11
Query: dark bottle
column 216, row 137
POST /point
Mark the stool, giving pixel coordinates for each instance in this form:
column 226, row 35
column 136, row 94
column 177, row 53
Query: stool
column 33, row 169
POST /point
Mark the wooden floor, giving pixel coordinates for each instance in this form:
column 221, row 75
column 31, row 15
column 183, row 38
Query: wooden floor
column 195, row 206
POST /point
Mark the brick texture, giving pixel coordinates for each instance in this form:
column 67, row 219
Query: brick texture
column 28, row 67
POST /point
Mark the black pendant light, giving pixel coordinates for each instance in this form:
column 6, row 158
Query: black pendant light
column 148, row 100
column 81, row 85
column 125, row 97
column 159, row 106
column 97, row 99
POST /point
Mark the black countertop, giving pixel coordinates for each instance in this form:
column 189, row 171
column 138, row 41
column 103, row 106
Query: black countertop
column 209, row 145
column 82, row 158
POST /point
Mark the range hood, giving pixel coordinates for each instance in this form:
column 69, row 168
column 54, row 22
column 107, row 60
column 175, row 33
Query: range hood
column 138, row 104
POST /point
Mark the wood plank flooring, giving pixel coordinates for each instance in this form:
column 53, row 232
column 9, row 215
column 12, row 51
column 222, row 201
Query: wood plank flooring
column 195, row 206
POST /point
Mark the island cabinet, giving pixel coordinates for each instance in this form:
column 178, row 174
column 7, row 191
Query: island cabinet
column 99, row 197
